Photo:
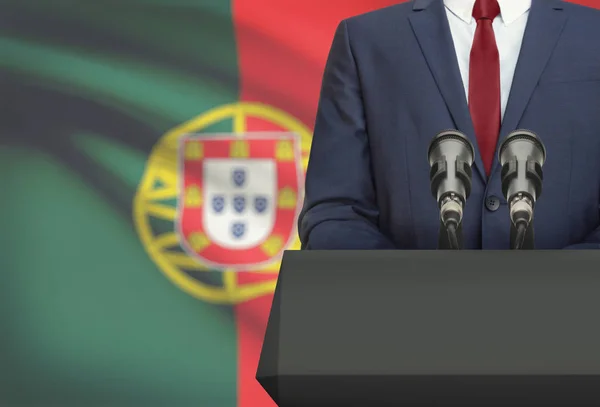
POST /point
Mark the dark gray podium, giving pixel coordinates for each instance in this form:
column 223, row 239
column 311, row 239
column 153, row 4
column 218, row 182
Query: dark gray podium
column 434, row 328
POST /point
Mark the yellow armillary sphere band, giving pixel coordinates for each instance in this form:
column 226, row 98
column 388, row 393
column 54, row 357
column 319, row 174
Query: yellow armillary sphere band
column 157, row 195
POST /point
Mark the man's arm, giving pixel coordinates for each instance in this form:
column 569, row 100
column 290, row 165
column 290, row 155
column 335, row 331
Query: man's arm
column 340, row 211
column 591, row 241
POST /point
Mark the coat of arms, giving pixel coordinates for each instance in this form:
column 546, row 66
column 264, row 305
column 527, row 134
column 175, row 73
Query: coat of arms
column 214, row 210
column 238, row 197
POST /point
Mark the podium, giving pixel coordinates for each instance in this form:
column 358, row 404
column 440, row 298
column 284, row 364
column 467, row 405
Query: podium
column 434, row 328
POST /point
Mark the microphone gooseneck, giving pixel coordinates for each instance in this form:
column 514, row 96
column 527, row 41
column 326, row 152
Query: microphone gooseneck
column 520, row 236
column 450, row 157
column 521, row 155
column 451, row 229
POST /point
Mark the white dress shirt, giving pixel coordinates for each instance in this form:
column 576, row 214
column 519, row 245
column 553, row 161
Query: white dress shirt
column 509, row 28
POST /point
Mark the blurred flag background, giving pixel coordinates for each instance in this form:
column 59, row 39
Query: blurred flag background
column 152, row 155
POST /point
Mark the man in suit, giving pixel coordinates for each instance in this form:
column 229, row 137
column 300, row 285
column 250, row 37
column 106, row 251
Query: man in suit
column 398, row 76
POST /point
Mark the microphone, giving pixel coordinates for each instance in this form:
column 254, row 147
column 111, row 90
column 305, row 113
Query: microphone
column 521, row 155
column 450, row 159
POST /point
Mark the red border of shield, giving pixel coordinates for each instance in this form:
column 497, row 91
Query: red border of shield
column 190, row 220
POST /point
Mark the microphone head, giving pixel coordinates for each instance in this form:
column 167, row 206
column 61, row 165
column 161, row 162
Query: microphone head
column 522, row 155
column 451, row 142
column 450, row 157
column 524, row 145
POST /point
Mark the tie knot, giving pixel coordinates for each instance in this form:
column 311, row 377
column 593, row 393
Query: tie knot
column 486, row 10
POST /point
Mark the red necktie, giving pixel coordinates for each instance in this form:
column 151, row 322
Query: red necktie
column 484, row 81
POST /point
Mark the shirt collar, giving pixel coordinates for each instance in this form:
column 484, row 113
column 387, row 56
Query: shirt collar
column 510, row 10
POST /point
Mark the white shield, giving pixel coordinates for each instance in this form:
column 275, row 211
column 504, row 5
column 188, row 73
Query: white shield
column 240, row 201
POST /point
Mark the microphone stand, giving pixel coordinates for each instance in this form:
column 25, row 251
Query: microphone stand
column 521, row 237
column 521, row 225
column 450, row 238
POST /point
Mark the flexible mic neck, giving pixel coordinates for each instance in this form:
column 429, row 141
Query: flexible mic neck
column 451, row 212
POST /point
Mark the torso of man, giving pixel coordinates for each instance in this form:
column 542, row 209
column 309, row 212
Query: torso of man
column 397, row 77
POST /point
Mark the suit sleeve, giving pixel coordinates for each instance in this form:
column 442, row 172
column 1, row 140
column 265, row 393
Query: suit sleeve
column 340, row 211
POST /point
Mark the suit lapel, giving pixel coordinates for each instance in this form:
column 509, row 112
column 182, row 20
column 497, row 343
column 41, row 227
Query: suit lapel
column 544, row 27
column 430, row 25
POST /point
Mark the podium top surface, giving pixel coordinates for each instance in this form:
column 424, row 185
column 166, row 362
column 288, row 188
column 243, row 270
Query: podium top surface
column 439, row 312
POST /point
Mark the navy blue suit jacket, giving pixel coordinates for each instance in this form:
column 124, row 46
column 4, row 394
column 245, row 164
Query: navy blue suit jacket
column 392, row 83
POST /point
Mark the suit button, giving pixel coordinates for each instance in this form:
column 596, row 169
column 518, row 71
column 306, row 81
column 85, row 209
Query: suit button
column 492, row 203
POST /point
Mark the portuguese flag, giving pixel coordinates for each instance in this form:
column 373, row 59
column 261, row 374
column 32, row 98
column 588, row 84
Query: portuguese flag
column 152, row 155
